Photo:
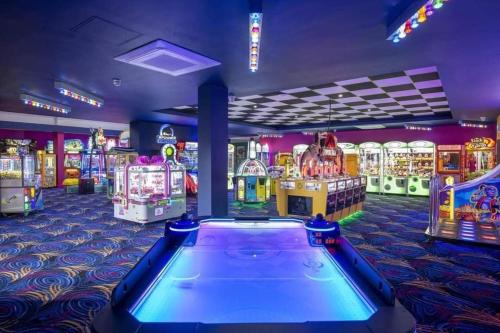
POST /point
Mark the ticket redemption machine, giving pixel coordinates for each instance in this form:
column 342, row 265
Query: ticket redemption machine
column 282, row 168
column 230, row 166
column 252, row 182
column 479, row 157
column 322, row 188
column 46, row 161
column 177, row 182
column 450, row 161
column 396, row 166
column 20, row 186
column 421, row 167
column 142, row 191
column 370, row 154
column 72, row 164
column 351, row 158
column 116, row 158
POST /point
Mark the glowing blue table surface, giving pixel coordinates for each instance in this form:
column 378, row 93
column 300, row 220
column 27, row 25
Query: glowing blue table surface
column 252, row 273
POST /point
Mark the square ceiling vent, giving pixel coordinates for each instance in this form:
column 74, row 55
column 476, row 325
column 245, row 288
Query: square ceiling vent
column 165, row 57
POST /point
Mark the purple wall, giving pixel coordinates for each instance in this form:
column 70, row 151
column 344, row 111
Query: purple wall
column 445, row 134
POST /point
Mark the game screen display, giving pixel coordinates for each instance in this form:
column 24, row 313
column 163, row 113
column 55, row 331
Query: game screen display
column 298, row 205
column 449, row 161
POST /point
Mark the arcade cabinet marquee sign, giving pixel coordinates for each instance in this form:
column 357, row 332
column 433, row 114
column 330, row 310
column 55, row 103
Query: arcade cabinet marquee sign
column 480, row 143
column 166, row 135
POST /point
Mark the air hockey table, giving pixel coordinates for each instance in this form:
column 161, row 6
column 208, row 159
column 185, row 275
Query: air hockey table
column 253, row 275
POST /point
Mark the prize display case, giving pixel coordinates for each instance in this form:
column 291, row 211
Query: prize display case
column 142, row 192
column 117, row 157
column 479, row 157
column 421, row 167
column 370, row 154
column 20, row 188
column 396, row 166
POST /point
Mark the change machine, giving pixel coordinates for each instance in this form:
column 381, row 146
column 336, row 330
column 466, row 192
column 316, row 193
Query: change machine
column 252, row 182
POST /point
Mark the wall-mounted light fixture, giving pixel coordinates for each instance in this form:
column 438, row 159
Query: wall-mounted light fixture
column 44, row 104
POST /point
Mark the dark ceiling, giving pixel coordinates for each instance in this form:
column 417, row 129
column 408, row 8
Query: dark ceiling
column 304, row 43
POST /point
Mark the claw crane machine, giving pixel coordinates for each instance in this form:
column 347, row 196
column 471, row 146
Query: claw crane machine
column 421, row 167
column 20, row 188
column 46, row 165
column 396, row 166
column 371, row 165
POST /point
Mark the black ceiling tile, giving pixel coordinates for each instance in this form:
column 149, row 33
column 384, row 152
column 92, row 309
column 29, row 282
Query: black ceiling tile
column 386, row 76
column 356, row 103
column 400, row 87
column 314, row 108
column 293, row 101
column 376, row 96
column 303, row 94
column 260, row 100
column 425, row 77
column 360, row 86
column 431, row 90
column 380, row 105
column 437, row 99
column 327, row 102
column 408, row 98
column 418, row 105
column 341, row 109
column 433, row 107
column 274, row 93
column 321, row 86
column 284, row 107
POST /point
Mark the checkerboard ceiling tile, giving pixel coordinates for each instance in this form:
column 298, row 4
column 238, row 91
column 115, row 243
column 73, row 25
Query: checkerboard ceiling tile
column 408, row 94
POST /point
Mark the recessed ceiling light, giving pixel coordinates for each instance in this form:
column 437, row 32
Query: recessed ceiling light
column 340, row 95
column 255, row 106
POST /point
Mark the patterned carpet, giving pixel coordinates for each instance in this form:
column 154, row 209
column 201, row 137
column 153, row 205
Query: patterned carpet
column 58, row 267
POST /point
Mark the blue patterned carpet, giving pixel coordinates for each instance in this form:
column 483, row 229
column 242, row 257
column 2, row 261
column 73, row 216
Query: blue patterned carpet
column 58, row 267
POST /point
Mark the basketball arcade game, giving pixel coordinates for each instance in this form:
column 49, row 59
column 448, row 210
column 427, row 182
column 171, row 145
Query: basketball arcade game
column 253, row 275
column 20, row 186
column 468, row 211
column 323, row 187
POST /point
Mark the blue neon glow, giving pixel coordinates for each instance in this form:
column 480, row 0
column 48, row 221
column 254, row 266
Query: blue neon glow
column 252, row 272
column 185, row 230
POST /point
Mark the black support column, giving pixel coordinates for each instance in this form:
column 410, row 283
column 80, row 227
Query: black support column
column 212, row 149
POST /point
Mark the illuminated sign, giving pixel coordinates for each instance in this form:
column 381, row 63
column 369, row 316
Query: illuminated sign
column 166, row 135
column 73, row 145
column 480, row 144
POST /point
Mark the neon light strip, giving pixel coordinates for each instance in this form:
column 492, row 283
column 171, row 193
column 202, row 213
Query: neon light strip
column 184, row 230
column 255, row 31
column 44, row 104
column 416, row 19
column 318, row 229
column 75, row 93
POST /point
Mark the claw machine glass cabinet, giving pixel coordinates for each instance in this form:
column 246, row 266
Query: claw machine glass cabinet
column 47, row 168
column 142, row 192
column 396, row 166
column 421, row 168
column 371, row 165
column 20, row 190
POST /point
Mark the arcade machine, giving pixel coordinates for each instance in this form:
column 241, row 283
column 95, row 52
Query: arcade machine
column 466, row 211
column 177, row 182
column 396, row 165
column 230, row 166
column 421, row 168
column 282, row 168
column 187, row 155
column 479, row 157
column 323, row 187
column 252, row 183
column 72, row 164
column 20, row 186
column 142, row 191
column 263, row 153
column 94, row 163
column 351, row 158
column 297, row 152
column 46, row 166
column 371, row 165
column 117, row 157
column 450, row 161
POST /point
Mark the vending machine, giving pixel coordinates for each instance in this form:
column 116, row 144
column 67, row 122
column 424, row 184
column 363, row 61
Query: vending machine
column 421, row 167
column 371, row 165
column 396, row 166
